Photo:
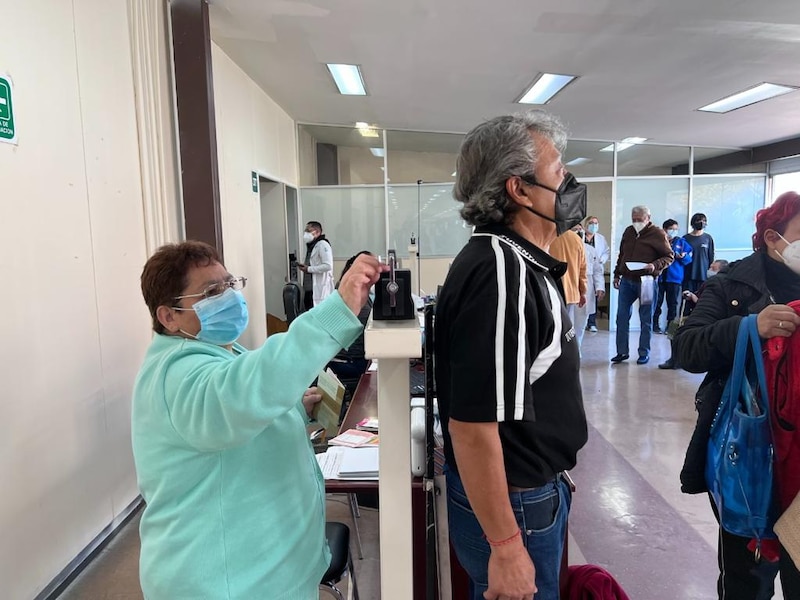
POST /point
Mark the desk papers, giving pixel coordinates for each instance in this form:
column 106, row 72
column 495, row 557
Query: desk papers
column 327, row 411
column 361, row 463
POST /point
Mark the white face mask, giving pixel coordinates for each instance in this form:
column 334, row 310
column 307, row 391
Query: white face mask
column 639, row 226
column 791, row 254
column 308, row 237
column 710, row 273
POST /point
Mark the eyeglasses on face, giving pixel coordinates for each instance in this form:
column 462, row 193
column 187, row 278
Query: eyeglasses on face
column 215, row 289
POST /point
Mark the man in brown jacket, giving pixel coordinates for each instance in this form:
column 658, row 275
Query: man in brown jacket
column 644, row 252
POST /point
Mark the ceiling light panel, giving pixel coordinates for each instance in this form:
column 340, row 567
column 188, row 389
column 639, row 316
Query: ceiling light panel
column 546, row 86
column 348, row 79
column 759, row 93
column 624, row 144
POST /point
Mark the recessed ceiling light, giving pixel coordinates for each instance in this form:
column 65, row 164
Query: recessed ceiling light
column 545, row 87
column 576, row 162
column 763, row 91
column 379, row 152
column 348, row 79
column 367, row 130
column 624, row 144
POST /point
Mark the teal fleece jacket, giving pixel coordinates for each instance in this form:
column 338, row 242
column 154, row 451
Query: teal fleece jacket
column 235, row 499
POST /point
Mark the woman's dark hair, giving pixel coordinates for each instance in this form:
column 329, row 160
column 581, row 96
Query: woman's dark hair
column 350, row 262
column 669, row 223
column 698, row 217
column 775, row 217
column 165, row 273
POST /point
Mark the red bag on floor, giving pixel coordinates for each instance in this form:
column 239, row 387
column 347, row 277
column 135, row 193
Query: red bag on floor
column 590, row 582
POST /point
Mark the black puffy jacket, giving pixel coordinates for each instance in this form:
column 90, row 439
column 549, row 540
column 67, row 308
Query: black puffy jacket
column 706, row 344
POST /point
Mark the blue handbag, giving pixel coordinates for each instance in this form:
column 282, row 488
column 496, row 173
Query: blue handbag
column 739, row 466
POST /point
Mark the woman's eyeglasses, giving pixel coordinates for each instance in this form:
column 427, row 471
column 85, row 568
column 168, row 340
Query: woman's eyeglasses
column 215, row 289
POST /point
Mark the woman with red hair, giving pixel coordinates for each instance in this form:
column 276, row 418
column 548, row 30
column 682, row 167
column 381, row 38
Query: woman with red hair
column 762, row 283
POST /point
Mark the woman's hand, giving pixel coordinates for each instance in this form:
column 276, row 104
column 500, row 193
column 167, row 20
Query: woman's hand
column 354, row 287
column 311, row 397
column 777, row 320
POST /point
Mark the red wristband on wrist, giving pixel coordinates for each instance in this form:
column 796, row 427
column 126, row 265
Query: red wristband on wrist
column 508, row 540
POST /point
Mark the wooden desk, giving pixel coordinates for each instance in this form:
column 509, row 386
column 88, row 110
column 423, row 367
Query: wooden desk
column 365, row 405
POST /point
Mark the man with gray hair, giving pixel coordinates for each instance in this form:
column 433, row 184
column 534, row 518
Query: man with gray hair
column 644, row 252
column 507, row 360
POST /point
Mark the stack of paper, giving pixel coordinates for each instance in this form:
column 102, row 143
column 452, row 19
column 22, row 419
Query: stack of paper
column 354, row 438
column 359, row 463
column 368, row 425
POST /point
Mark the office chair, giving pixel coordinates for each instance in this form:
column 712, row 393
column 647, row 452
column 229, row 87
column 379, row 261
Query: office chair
column 338, row 535
column 292, row 301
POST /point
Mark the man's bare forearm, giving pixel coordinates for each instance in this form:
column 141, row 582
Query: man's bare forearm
column 479, row 456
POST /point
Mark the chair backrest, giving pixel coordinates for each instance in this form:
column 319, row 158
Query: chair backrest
column 292, row 300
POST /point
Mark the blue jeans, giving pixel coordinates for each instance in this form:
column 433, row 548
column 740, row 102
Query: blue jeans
column 541, row 514
column 628, row 294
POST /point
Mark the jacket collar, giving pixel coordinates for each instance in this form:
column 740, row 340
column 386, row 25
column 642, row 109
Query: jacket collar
column 751, row 271
column 531, row 252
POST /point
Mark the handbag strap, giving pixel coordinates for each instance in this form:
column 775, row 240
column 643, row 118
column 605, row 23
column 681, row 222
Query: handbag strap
column 761, row 378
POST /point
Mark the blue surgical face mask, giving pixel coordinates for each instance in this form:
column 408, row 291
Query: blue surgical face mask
column 593, row 227
column 222, row 318
column 672, row 233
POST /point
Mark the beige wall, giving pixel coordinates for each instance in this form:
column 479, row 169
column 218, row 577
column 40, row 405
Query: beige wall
column 253, row 134
column 73, row 239
column 598, row 204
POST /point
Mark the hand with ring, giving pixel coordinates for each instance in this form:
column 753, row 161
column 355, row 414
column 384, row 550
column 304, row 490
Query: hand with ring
column 777, row 320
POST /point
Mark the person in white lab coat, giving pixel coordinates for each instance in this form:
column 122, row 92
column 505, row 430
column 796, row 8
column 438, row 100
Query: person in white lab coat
column 595, row 289
column 593, row 237
column 318, row 267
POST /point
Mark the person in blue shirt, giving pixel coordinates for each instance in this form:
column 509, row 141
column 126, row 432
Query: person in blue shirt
column 702, row 245
column 671, row 280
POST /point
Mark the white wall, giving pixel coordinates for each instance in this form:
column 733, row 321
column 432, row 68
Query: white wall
column 73, row 245
column 253, row 134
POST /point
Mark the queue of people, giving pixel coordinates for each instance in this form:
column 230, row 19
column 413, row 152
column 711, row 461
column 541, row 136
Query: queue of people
column 234, row 498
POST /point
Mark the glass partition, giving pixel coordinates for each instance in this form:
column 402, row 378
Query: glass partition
column 353, row 218
column 730, row 203
column 588, row 159
column 340, row 155
column 648, row 159
column 421, row 156
column 429, row 212
column 718, row 161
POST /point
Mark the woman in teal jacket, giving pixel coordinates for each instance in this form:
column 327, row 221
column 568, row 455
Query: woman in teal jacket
column 235, row 499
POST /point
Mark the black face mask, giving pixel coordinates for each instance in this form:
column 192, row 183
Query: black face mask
column 699, row 225
column 570, row 202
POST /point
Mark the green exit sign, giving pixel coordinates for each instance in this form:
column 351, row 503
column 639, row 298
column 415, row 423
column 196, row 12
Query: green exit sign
column 8, row 132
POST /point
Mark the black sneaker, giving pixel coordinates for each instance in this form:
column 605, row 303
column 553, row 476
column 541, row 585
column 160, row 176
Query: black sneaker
column 657, row 330
column 670, row 364
column 619, row 358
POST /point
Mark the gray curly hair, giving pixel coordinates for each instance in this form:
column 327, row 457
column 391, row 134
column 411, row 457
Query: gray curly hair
column 494, row 151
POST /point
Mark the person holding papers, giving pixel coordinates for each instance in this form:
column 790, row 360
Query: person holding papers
column 507, row 360
column 644, row 251
column 235, row 503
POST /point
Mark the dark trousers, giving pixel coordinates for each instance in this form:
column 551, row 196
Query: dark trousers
column 308, row 300
column 672, row 293
column 742, row 578
column 592, row 320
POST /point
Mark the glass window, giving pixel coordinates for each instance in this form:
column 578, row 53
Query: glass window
column 730, row 203
column 429, row 213
column 585, row 159
column 353, row 218
column 648, row 159
column 785, row 182
column 718, row 161
column 666, row 199
column 422, row 156
column 340, row 155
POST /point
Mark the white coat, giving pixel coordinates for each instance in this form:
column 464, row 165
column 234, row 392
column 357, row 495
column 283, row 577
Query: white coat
column 320, row 265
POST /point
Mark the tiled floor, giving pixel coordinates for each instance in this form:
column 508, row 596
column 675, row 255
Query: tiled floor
column 628, row 512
